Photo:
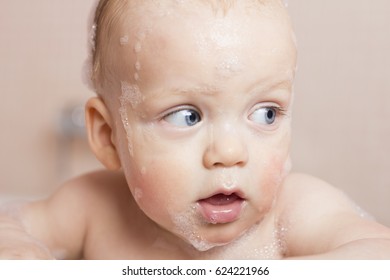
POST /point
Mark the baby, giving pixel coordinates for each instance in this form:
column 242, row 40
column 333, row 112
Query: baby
column 192, row 120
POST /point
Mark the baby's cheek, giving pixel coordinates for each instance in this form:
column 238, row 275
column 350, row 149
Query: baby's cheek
column 275, row 170
column 280, row 166
column 286, row 167
column 280, row 161
column 155, row 189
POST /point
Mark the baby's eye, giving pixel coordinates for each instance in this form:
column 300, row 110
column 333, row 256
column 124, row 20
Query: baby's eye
column 183, row 118
column 265, row 115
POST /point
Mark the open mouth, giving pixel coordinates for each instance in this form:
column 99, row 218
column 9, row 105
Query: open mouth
column 221, row 208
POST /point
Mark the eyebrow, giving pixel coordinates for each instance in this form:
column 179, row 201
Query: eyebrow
column 196, row 90
column 209, row 90
column 203, row 90
column 265, row 88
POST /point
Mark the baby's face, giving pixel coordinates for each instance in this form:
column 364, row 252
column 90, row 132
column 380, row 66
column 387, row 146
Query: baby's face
column 204, row 115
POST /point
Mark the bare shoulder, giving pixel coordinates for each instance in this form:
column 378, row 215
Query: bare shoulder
column 300, row 189
column 91, row 192
column 63, row 220
column 320, row 217
column 96, row 187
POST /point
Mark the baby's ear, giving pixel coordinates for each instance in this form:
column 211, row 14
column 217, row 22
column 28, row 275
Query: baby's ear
column 100, row 133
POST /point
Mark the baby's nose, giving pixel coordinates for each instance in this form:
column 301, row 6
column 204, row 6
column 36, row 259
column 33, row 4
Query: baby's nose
column 226, row 148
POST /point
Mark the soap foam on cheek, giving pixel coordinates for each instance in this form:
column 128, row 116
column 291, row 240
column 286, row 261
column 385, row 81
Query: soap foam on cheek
column 138, row 194
column 143, row 171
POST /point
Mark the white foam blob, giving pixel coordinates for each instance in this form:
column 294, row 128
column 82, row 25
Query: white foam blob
column 131, row 94
column 138, row 47
column 275, row 248
column 143, row 171
column 138, row 194
column 224, row 34
column 227, row 179
column 92, row 36
column 137, row 66
column 127, row 128
column 124, row 40
column 187, row 224
column 228, row 66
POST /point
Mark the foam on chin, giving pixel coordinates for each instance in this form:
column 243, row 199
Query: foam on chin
column 187, row 225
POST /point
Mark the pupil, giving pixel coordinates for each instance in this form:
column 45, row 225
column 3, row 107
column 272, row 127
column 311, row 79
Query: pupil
column 192, row 118
column 270, row 115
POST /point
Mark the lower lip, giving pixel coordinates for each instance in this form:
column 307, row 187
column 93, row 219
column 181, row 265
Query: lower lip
column 221, row 214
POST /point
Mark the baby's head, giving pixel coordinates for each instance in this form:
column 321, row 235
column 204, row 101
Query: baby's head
column 195, row 105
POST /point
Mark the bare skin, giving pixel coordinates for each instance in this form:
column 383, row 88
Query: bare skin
column 117, row 229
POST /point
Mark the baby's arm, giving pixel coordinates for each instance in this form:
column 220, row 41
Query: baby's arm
column 52, row 228
column 15, row 242
column 325, row 224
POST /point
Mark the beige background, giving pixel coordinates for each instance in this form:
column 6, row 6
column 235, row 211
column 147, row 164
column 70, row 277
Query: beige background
column 342, row 104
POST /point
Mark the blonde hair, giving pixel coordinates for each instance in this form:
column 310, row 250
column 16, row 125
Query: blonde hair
column 109, row 14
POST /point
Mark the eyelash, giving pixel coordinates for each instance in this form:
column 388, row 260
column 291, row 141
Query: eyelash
column 279, row 111
column 181, row 109
column 260, row 114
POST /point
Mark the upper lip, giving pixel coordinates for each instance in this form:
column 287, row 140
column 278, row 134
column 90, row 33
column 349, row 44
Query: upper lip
column 235, row 191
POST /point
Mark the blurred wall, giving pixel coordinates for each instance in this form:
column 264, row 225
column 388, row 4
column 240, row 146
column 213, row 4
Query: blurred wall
column 341, row 129
column 43, row 47
column 342, row 101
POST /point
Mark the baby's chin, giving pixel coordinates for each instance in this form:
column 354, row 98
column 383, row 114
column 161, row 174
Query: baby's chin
column 215, row 236
column 202, row 245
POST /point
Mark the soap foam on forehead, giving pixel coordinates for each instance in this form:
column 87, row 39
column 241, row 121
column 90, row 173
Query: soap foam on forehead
column 131, row 95
column 113, row 15
column 228, row 66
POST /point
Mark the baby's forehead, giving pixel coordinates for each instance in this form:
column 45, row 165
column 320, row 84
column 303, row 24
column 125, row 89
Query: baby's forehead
column 139, row 29
column 141, row 19
column 146, row 12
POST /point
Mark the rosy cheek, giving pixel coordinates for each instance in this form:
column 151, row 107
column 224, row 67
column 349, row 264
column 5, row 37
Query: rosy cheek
column 280, row 162
column 273, row 175
column 154, row 181
column 149, row 196
column 286, row 167
column 279, row 167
